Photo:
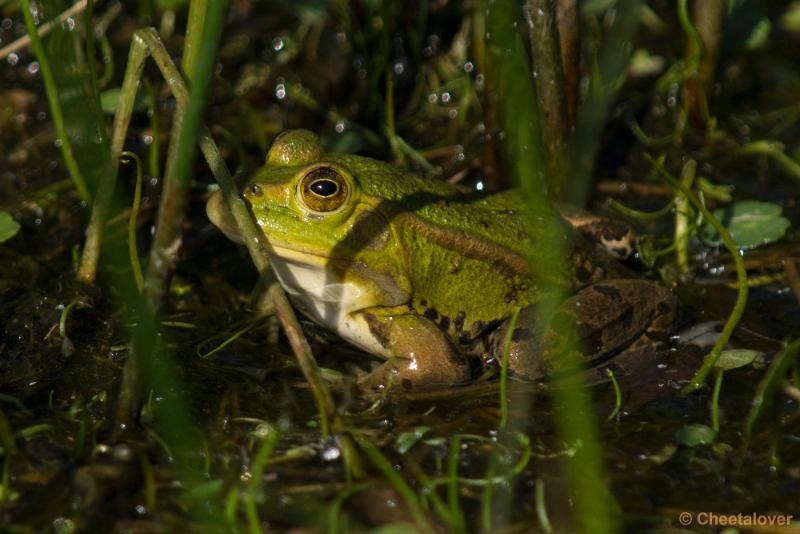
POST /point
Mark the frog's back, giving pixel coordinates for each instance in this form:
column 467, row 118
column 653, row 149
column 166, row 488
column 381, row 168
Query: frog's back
column 497, row 218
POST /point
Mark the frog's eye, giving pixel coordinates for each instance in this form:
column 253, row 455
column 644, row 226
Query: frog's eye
column 323, row 189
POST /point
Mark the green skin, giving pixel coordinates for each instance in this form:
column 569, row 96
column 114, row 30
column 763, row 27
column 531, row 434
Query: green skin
column 424, row 273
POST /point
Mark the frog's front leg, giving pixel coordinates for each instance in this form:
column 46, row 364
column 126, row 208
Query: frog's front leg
column 420, row 355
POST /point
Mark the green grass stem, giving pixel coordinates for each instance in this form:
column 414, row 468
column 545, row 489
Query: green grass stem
column 642, row 215
column 769, row 385
column 523, row 143
column 741, row 276
column 611, row 68
column 504, row 373
column 133, row 251
column 715, row 399
column 683, row 218
column 774, row 150
column 541, row 507
column 452, row 473
column 549, row 87
column 617, row 395
column 397, row 482
column 256, row 471
column 51, row 90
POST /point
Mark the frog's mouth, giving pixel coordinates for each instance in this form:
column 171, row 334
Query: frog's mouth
column 351, row 284
column 221, row 217
column 301, row 267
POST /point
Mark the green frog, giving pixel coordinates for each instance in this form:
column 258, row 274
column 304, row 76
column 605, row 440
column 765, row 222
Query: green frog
column 425, row 274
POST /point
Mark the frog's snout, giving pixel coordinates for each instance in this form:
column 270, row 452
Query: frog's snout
column 219, row 214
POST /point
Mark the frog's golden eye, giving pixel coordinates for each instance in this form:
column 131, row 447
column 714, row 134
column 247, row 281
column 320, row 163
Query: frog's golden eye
column 323, row 189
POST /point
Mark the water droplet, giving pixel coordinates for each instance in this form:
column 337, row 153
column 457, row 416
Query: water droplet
column 33, row 67
column 341, row 37
column 452, row 113
column 399, row 67
column 340, row 127
column 446, row 97
column 70, row 23
column 433, row 98
column 280, row 91
column 277, row 44
column 13, row 58
column 147, row 139
column 330, row 453
column 58, row 143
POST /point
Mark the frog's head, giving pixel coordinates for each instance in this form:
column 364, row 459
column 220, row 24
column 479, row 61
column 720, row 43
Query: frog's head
column 319, row 211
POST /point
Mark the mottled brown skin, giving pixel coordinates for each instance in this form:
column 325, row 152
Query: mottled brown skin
column 611, row 318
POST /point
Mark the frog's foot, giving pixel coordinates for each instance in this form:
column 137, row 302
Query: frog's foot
column 526, row 357
column 614, row 236
column 420, row 356
column 612, row 318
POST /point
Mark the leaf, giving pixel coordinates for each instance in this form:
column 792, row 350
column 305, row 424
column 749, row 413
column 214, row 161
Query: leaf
column 8, row 226
column 751, row 224
column 759, row 35
column 735, row 358
column 790, row 20
column 694, row 435
column 645, row 64
column 406, row 440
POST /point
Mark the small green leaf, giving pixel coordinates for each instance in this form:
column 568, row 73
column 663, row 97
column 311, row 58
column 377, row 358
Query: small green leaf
column 758, row 38
column 790, row 20
column 406, row 440
column 751, row 224
column 8, row 226
column 645, row 64
column 694, row 435
column 734, row 358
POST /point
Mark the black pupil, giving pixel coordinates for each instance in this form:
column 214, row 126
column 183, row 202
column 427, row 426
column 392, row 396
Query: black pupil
column 325, row 188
